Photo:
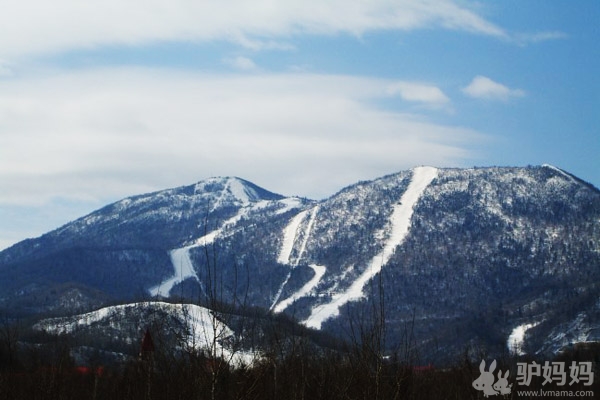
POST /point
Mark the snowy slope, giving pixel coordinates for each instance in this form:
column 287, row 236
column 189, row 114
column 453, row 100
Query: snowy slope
column 400, row 224
column 202, row 330
column 471, row 253
column 234, row 191
column 305, row 290
column 293, row 232
column 517, row 338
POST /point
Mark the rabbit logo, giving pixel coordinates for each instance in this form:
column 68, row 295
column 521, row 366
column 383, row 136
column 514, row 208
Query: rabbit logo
column 485, row 382
column 501, row 384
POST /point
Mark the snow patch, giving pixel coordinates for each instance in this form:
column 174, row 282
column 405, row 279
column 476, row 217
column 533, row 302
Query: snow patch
column 289, row 203
column 517, row 338
column 182, row 262
column 578, row 330
column 400, row 225
column 241, row 191
column 184, row 269
column 560, row 171
column 204, row 330
column 304, row 290
column 290, row 233
column 289, row 237
column 311, row 222
column 180, row 257
column 233, row 189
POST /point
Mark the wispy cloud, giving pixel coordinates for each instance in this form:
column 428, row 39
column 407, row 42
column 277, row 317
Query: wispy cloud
column 38, row 27
column 241, row 63
column 482, row 87
column 108, row 133
column 420, row 93
column 5, row 70
column 538, row 37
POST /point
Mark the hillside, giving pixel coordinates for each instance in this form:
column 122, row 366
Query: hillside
column 449, row 259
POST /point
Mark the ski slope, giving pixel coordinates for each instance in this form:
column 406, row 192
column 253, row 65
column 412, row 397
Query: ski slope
column 304, row 290
column 184, row 269
column 400, row 225
column 290, row 233
column 180, row 257
column 204, row 330
column 517, row 338
column 289, row 237
column 182, row 262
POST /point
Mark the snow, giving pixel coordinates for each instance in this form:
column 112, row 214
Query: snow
column 290, row 233
column 182, row 262
column 289, row 237
column 578, row 330
column 517, row 337
column 311, row 223
column 233, row 189
column 184, row 269
column 180, row 257
column 241, row 191
column 304, row 290
column 205, row 331
column 400, row 225
column 560, row 171
column 289, row 203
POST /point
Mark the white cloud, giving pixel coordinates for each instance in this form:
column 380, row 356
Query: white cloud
column 538, row 37
column 94, row 136
column 241, row 63
column 482, row 87
column 37, row 27
column 5, row 69
column 417, row 92
column 109, row 133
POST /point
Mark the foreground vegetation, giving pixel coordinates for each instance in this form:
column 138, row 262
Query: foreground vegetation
column 299, row 376
column 288, row 369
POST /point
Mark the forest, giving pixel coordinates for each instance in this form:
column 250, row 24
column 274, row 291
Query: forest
column 293, row 363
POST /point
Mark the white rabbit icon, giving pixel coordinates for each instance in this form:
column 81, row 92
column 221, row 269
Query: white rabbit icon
column 501, row 384
column 485, row 382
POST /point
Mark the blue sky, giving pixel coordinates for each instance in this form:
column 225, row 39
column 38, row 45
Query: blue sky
column 100, row 100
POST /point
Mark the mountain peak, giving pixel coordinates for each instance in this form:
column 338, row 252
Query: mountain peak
column 472, row 253
column 234, row 190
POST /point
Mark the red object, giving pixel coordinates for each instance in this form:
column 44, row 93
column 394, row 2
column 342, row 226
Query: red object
column 423, row 368
column 82, row 370
column 98, row 371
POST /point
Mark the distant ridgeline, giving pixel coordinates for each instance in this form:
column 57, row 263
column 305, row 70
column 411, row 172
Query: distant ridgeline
column 444, row 259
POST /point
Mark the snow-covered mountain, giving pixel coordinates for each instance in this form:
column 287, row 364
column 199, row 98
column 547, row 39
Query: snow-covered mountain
column 190, row 328
column 457, row 257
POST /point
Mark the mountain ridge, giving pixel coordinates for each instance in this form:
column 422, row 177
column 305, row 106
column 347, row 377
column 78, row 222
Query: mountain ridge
column 500, row 247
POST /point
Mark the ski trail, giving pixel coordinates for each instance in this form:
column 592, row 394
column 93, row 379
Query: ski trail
column 180, row 257
column 311, row 222
column 289, row 237
column 209, row 238
column 400, row 221
column 221, row 198
column 290, row 233
column 182, row 262
column 304, row 290
column 288, row 203
column 517, row 338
